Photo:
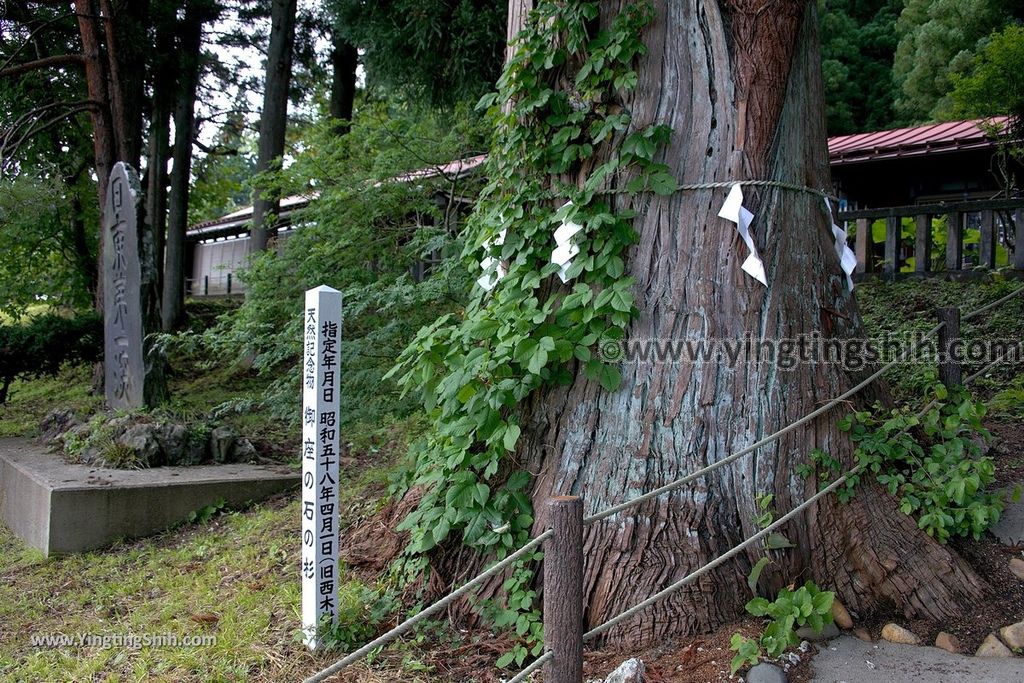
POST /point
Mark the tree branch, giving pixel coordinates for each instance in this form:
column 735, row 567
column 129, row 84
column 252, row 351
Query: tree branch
column 44, row 63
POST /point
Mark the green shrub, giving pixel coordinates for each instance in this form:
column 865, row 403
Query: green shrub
column 44, row 344
column 933, row 464
column 806, row 606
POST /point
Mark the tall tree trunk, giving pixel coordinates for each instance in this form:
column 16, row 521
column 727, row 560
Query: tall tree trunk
column 125, row 29
column 189, row 44
column 104, row 143
column 344, row 60
column 274, row 118
column 158, row 145
column 741, row 87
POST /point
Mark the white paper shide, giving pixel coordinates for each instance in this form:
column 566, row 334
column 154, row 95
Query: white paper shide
column 321, row 389
column 493, row 268
column 847, row 259
column 733, row 210
column 565, row 249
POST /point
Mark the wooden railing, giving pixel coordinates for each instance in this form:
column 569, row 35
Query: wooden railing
column 997, row 217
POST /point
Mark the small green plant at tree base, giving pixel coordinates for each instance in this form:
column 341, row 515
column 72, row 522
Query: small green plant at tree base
column 933, row 463
column 520, row 614
column 806, row 606
column 362, row 610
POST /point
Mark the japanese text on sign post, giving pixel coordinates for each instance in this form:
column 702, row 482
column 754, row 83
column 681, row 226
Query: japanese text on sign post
column 321, row 385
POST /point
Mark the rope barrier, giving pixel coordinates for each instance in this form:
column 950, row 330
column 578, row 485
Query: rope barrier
column 989, row 307
column 718, row 560
column 433, row 609
column 444, row 602
column 541, row 661
column 671, row 486
column 632, row 611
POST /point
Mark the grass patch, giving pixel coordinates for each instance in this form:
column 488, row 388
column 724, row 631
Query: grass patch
column 235, row 578
column 29, row 400
column 907, row 306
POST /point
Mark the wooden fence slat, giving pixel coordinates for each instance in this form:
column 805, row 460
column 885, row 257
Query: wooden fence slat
column 954, row 241
column 862, row 245
column 892, row 244
column 923, row 243
column 987, row 248
column 1018, row 242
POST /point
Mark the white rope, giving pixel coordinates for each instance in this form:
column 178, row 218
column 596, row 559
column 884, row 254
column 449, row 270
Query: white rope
column 441, row 604
column 632, row 611
column 525, row 673
column 671, row 486
column 989, row 307
column 718, row 560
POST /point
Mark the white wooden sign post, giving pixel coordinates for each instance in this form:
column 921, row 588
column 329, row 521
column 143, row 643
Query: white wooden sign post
column 321, row 388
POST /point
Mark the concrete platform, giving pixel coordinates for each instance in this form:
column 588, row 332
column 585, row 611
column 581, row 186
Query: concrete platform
column 849, row 660
column 58, row 507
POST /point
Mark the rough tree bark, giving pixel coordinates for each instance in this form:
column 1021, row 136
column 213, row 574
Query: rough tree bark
column 158, row 145
column 172, row 309
column 274, row 117
column 344, row 60
column 739, row 82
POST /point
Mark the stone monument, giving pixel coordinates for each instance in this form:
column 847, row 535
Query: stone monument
column 133, row 372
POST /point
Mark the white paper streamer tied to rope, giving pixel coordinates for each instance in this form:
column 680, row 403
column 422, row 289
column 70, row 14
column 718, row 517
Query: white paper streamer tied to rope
column 493, row 268
column 733, row 210
column 565, row 250
column 847, row 259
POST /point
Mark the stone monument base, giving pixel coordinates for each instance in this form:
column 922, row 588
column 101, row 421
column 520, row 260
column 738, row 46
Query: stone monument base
column 57, row 507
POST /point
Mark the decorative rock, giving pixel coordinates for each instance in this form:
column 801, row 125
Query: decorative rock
column 1013, row 635
column 221, row 441
column 55, row 424
column 897, row 634
column 992, row 647
column 174, row 442
column 863, row 634
column 244, row 451
column 948, row 642
column 630, row 671
column 766, row 673
column 828, row 631
column 1017, row 567
column 841, row 616
column 143, row 441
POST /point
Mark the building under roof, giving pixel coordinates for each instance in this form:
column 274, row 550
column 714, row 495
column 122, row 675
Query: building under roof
column 923, row 164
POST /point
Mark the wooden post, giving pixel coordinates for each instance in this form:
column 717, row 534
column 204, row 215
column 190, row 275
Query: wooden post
column 563, row 592
column 987, row 248
column 923, row 243
column 950, row 372
column 1018, row 242
column 954, row 241
column 862, row 245
column 893, row 232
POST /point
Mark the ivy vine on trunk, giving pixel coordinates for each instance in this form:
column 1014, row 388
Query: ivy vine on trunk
column 607, row 105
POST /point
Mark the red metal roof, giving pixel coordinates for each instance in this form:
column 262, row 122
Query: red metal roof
column 916, row 141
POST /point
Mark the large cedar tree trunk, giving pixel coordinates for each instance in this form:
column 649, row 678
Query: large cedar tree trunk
column 739, row 82
column 274, row 118
column 190, row 41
